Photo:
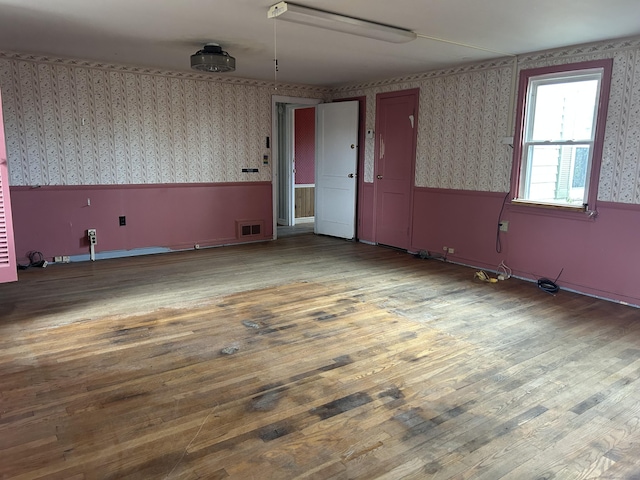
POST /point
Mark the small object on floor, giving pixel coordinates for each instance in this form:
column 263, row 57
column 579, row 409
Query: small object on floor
column 250, row 324
column 548, row 286
column 504, row 272
column 482, row 275
column 36, row 259
column 230, row 350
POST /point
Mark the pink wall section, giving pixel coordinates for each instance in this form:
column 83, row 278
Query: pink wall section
column 305, row 145
column 366, row 215
column 600, row 257
column 463, row 220
column 54, row 220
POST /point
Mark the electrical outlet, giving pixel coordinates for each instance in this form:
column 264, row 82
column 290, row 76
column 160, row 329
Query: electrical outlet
column 65, row 259
column 451, row 250
column 123, row 220
column 445, row 248
column 197, row 246
column 57, row 259
column 504, row 226
column 92, row 236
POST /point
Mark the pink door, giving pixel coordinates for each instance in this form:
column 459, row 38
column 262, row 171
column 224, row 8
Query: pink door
column 396, row 126
column 8, row 272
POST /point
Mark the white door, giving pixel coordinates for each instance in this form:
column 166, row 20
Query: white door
column 336, row 168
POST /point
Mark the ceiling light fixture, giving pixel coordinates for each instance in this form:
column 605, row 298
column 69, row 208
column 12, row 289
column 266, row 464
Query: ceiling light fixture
column 339, row 23
column 213, row 59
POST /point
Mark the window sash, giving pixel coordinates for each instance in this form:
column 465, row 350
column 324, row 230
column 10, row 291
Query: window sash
column 526, row 180
column 560, row 79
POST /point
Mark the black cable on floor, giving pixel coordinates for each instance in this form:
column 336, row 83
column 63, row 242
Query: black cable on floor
column 36, row 259
column 549, row 286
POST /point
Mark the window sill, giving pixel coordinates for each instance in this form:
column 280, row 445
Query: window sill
column 550, row 210
column 553, row 206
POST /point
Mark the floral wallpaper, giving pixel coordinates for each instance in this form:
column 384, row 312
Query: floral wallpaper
column 70, row 122
column 79, row 123
column 466, row 111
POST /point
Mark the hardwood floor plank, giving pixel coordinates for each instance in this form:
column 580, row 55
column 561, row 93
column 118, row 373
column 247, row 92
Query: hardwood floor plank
column 343, row 361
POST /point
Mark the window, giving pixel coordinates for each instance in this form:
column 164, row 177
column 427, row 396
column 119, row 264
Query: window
column 559, row 134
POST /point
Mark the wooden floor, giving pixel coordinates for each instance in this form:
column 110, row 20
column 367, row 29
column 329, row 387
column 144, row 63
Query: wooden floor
column 311, row 357
column 305, row 228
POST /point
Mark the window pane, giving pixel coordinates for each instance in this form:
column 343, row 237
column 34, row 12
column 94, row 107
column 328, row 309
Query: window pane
column 564, row 111
column 557, row 174
column 580, row 168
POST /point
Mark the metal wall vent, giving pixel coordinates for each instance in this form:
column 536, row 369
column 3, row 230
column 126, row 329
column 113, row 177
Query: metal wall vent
column 250, row 229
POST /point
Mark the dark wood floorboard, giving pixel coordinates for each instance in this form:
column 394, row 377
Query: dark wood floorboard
column 311, row 357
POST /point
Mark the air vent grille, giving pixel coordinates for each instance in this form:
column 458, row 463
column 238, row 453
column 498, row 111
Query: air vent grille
column 250, row 228
column 4, row 234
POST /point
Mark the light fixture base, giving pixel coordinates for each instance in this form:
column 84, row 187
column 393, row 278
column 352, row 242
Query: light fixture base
column 213, row 59
column 292, row 12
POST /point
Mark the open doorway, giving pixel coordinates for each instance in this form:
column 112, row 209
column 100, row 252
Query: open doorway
column 291, row 181
column 304, row 164
column 283, row 134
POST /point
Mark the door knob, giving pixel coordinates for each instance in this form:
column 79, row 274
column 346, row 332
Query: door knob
column 353, row 146
column 351, row 175
column 379, row 177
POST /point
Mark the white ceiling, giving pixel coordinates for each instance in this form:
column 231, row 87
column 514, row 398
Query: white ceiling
column 164, row 33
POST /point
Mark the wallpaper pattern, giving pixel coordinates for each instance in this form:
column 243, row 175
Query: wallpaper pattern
column 70, row 122
column 78, row 123
column 466, row 111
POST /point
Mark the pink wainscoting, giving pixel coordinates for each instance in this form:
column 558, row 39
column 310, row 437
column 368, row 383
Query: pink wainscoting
column 600, row 257
column 366, row 207
column 463, row 220
column 54, row 220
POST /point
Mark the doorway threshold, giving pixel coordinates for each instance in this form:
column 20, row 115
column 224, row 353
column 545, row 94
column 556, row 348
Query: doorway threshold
column 295, row 230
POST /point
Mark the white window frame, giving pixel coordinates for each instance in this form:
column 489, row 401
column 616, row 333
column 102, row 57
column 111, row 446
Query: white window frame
column 529, row 81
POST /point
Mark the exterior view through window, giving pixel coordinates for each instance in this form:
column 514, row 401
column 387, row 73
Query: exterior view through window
column 557, row 150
